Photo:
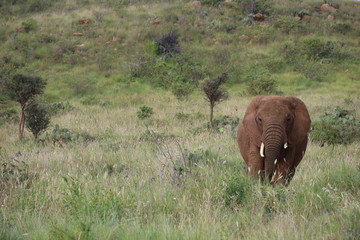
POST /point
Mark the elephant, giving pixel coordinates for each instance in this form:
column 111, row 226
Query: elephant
column 273, row 136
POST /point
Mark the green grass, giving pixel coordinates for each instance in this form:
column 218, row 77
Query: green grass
column 119, row 184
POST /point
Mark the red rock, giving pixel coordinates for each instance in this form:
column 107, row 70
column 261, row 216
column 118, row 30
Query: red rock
column 157, row 21
column 80, row 45
column 327, row 7
column 259, row 17
column 307, row 17
column 243, row 37
column 228, row 1
column 195, row 5
column 83, row 21
column 331, row 17
column 77, row 34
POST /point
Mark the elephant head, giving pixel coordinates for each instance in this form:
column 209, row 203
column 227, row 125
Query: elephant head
column 275, row 124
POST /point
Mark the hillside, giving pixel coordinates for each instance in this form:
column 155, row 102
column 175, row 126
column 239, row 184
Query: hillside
column 106, row 169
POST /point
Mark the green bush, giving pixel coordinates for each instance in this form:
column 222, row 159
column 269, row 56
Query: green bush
column 311, row 69
column 340, row 127
column 182, row 116
column 260, row 81
column 63, row 135
column 341, row 27
column 237, row 189
column 211, row 2
column 58, row 107
column 144, row 112
column 225, row 122
column 37, row 119
column 289, row 24
column 315, row 48
column 274, row 64
column 8, row 115
column 13, row 173
column 29, row 25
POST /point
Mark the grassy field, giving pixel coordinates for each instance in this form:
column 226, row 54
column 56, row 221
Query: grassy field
column 107, row 174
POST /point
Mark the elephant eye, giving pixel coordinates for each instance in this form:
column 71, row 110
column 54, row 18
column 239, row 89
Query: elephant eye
column 289, row 119
column 259, row 119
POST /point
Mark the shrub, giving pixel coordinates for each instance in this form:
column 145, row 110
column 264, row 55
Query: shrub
column 289, row 24
column 274, row 64
column 81, row 86
column 340, row 127
column 37, row 118
column 168, row 45
column 237, row 189
column 211, row 2
column 64, row 135
column 144, row 112
column 182, row 116
column 220, row 124
column 12, row 174
column 263, row 6
column 312, row 69
column 341, row 27
column 8, row 115
column 260, row 81
column 315, row 48
column 60, row 107
column 29, row 25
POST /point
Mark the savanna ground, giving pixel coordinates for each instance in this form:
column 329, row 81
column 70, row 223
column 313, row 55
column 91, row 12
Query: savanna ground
column 101, row 172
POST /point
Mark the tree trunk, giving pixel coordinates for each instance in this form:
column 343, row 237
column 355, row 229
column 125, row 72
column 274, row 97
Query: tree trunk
column 211, row 115
column 22, row 121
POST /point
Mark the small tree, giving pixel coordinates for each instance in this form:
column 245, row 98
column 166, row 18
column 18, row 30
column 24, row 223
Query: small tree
column 214, row 93
column 21, row 88
column 37, row 118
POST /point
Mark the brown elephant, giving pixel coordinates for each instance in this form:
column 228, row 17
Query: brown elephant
column 273, row 136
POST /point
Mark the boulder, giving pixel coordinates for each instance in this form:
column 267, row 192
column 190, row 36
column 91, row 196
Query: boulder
column 195, row 5
column 243, row 37
column 259, row 17
column 307, row 17
column 84, row 21
column 327, row 7
column 156, row 21
column 77, row 34
column 330, row 17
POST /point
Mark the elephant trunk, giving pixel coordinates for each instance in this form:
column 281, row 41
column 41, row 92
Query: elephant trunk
column 274, row 139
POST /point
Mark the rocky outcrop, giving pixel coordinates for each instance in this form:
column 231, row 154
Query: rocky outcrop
column 326, row 7
column 331, row 17
column 259, row 17
column 195, row 5
column 156, row 21
column 84, row 21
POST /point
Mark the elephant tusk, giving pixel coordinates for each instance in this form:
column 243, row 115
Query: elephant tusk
column 286, row 145
column 262, row 149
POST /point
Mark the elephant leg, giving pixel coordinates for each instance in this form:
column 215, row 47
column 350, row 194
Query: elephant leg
column 300, row 152
column 296, row 157
column 255, row 163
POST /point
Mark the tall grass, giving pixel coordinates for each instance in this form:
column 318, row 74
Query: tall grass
column 121, row 185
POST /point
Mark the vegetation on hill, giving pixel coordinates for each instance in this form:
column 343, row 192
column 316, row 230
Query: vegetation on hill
column 123, row 149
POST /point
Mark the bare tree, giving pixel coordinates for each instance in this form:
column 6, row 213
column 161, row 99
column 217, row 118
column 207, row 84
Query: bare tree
column 214, row 93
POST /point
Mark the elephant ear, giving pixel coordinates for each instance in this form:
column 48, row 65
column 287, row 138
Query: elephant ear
column 249, row 121
column 302, row 122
